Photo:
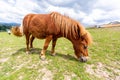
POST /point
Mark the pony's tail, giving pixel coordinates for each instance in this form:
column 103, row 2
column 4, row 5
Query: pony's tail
column 17, row 31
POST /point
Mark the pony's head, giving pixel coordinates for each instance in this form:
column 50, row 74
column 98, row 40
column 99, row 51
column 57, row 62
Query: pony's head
column 75, row 32
column 81, row 46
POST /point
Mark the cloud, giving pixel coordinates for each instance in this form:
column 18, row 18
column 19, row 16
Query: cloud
column 88, row 12
column 103, row 11
column 14, row 11
column 61, row 2
column 107, row 5
column 94, row 16
column 106, row 10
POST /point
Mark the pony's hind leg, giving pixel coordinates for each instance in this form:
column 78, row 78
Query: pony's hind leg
column 53, row 46
column 31, row 41
column 27, row 43
column 47, row 41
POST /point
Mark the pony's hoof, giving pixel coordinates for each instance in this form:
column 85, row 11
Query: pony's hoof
column 42, row 58
column 31, row 48
column 53, row 54
column 27, row 52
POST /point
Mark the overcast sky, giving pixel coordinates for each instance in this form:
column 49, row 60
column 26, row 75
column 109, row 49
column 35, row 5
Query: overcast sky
column 88, row 12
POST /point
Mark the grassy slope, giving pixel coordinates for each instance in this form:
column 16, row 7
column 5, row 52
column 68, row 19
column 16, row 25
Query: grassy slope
column 15, row 64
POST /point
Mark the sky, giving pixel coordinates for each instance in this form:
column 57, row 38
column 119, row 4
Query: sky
column 87, row 12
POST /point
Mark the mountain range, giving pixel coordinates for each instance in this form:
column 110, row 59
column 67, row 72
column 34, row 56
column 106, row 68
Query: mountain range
column 9, row 24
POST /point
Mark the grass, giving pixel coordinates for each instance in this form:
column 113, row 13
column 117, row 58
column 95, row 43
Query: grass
column 15, row 64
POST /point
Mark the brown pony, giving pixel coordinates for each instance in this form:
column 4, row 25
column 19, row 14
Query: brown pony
column 51, row 27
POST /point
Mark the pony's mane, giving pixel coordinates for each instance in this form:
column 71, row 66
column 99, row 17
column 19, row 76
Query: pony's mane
column 87, row 37
column 68, row 25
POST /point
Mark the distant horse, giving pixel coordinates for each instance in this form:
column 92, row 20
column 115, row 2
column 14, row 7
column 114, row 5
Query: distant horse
column 8, row 31
column 52, row 26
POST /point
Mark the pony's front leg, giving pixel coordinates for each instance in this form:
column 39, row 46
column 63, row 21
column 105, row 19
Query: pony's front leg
column 53, row 46
column 47, row 41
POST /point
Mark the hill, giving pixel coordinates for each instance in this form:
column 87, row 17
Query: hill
column 111, row 24
column 9, row 24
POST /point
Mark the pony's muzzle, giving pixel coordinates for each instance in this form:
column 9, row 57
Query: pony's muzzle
column 83, row 59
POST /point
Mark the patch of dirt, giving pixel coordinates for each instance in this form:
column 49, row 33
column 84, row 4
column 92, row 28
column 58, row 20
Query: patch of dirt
column 69, row 76
column 45, row 74
column 3, row 60
column 45, row 62
column 39, row 63
column 1, row 67
column 5, row 49
column 18, row 67
column 20, row 78
column 103, row 71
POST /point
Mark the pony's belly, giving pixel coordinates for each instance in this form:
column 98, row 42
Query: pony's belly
column 39, row 36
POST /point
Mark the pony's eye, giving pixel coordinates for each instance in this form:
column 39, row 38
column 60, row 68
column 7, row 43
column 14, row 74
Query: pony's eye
column 85, row 47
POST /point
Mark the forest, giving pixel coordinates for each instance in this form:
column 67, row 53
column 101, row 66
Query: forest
column 7, row 26
column 4, row 27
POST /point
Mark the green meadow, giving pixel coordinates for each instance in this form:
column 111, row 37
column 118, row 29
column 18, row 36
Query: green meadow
column 103, row 64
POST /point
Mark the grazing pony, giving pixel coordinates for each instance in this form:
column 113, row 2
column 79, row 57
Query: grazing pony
column 52, row 26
